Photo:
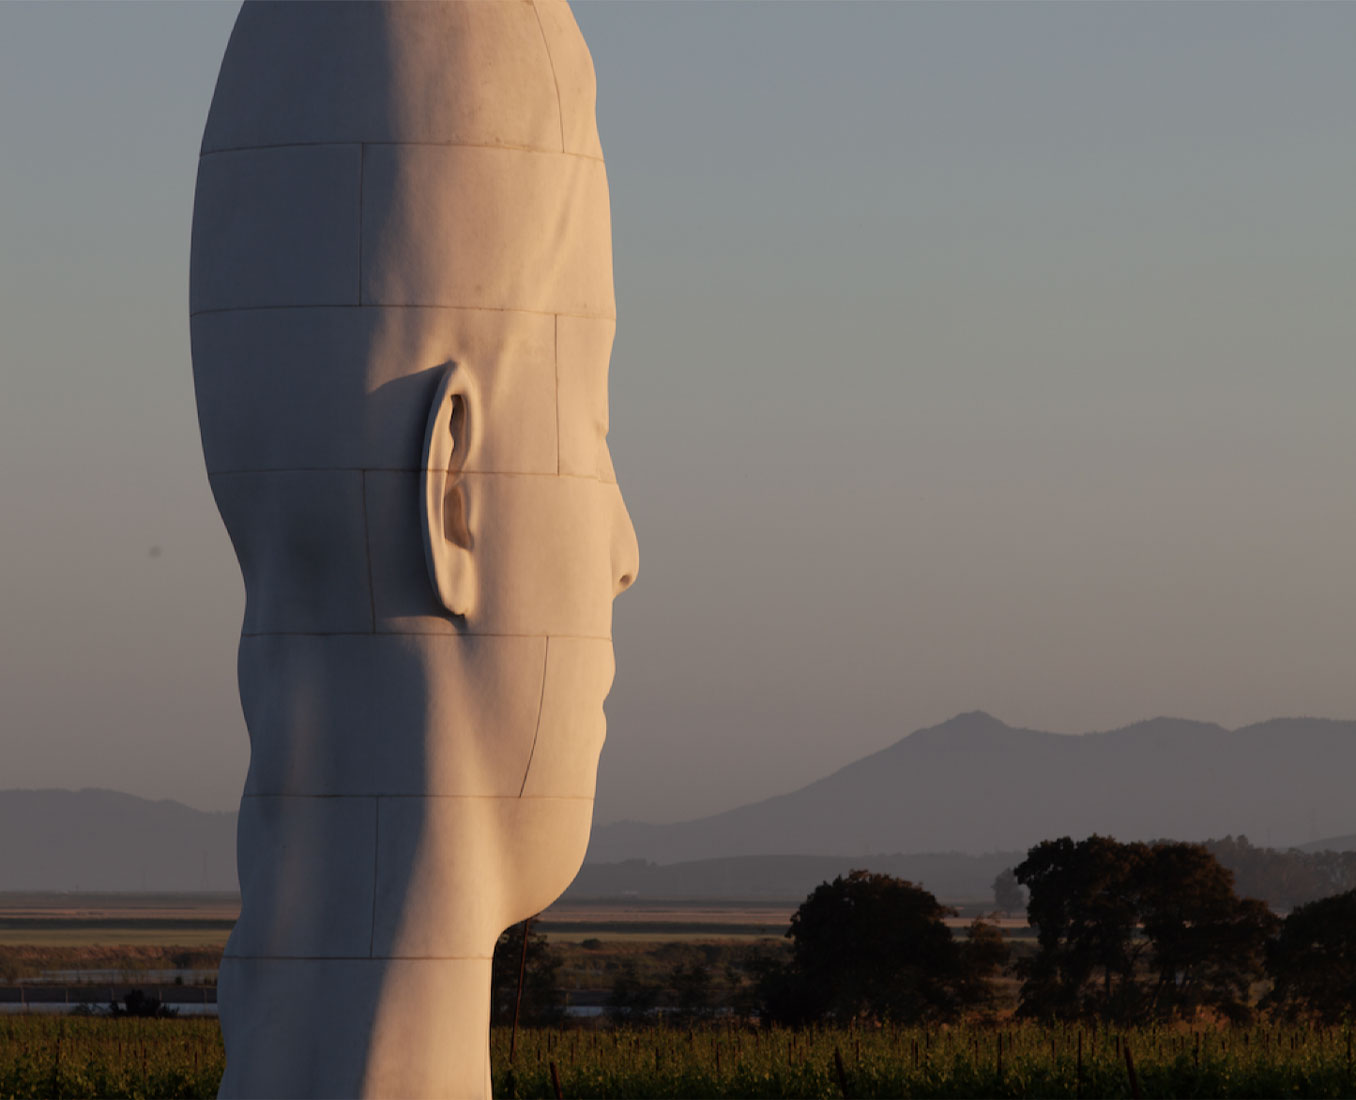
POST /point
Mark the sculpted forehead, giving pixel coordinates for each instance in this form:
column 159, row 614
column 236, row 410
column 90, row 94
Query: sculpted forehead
column 505, row 73
column 431, row 190
column 401, row 225
column 404, row 154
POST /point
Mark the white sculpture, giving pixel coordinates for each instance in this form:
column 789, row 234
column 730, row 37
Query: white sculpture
column 402, row 317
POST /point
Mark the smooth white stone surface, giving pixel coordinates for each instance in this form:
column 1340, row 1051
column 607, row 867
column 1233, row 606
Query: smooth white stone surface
column 583, row 348
column 430, row 1030
column 276, row 227
column 439, row 864
column 572, row 728
column 332, row 1028
column 302, row 547
column 350, row 388
column 550, row 553
column 307, row 900
column 440, row 714
column 573, row 68
column 303, row 1028
column 442, row 863
column 365, row 72
column 402, row 275
column 495, row 228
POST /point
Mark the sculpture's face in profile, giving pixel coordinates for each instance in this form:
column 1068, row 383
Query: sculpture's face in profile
column 402, row 321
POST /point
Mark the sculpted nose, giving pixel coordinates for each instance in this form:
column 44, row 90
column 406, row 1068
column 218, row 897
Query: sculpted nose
column 625, row 549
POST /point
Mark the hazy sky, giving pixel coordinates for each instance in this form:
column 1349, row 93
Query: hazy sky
column 969, row 356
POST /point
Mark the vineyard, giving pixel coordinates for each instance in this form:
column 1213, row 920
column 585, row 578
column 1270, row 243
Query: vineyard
column 45, row 1056
column 53, row 1056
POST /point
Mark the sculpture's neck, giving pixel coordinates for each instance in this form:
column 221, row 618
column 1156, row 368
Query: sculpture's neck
column 344, row 1027
column 392, row 828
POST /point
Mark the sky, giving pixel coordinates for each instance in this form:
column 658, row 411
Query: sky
column 969, row 356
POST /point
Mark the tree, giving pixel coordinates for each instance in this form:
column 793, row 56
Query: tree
column 983, row 955
column 1082, row 905
column 1008, row 895
column 691, row 985
column 1312, row 962
column 1284, row 879
column 1137, row 931
column 137, row 1003
column 542, row 1001
column 632, row 997
column 875, row 946
column 1208, row 944
column 751, row 973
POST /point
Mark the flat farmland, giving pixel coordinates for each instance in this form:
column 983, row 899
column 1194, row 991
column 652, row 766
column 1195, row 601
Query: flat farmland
column 572, row 921
column 82, row 920
column 66, row 1057
column 660, row 921
column 75, row 920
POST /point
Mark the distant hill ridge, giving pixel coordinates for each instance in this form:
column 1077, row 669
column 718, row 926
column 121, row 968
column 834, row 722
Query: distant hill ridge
column 973, row 784
column 952, row 876
column 96, row 840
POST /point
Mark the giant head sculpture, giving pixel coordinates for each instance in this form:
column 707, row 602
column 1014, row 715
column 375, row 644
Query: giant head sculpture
column 402, row 316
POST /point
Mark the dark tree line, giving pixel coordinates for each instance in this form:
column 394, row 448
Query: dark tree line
column 1286, row 878
column 1313, row 961
column 542, row 1002
column 685, row 993
column 1134, row 933
column 1140, row 932
column 1283, row 878
column 874, row 946
column 865, row 946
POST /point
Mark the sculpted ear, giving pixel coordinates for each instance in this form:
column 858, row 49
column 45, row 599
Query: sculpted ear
column 448, row 542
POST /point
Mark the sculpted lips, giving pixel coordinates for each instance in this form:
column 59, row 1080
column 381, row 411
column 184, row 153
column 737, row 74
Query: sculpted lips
column 565, row 758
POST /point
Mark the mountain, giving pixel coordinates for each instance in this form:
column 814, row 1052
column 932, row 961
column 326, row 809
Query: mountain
column 974, row 784
column 96, row 840
column 969, row 786
column 952, row 876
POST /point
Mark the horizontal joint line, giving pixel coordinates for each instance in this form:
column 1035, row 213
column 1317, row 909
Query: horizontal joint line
column 402, row 470
column 411, row 634
column 499, row 146
column 357, row 958
column 431, row 797
column 403, row 305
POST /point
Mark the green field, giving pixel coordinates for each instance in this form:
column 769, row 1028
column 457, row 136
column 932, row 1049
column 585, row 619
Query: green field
column 139, row 933
column 50, row 1056
column 188, row 920
column 71, row 921
column 77, row 1057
